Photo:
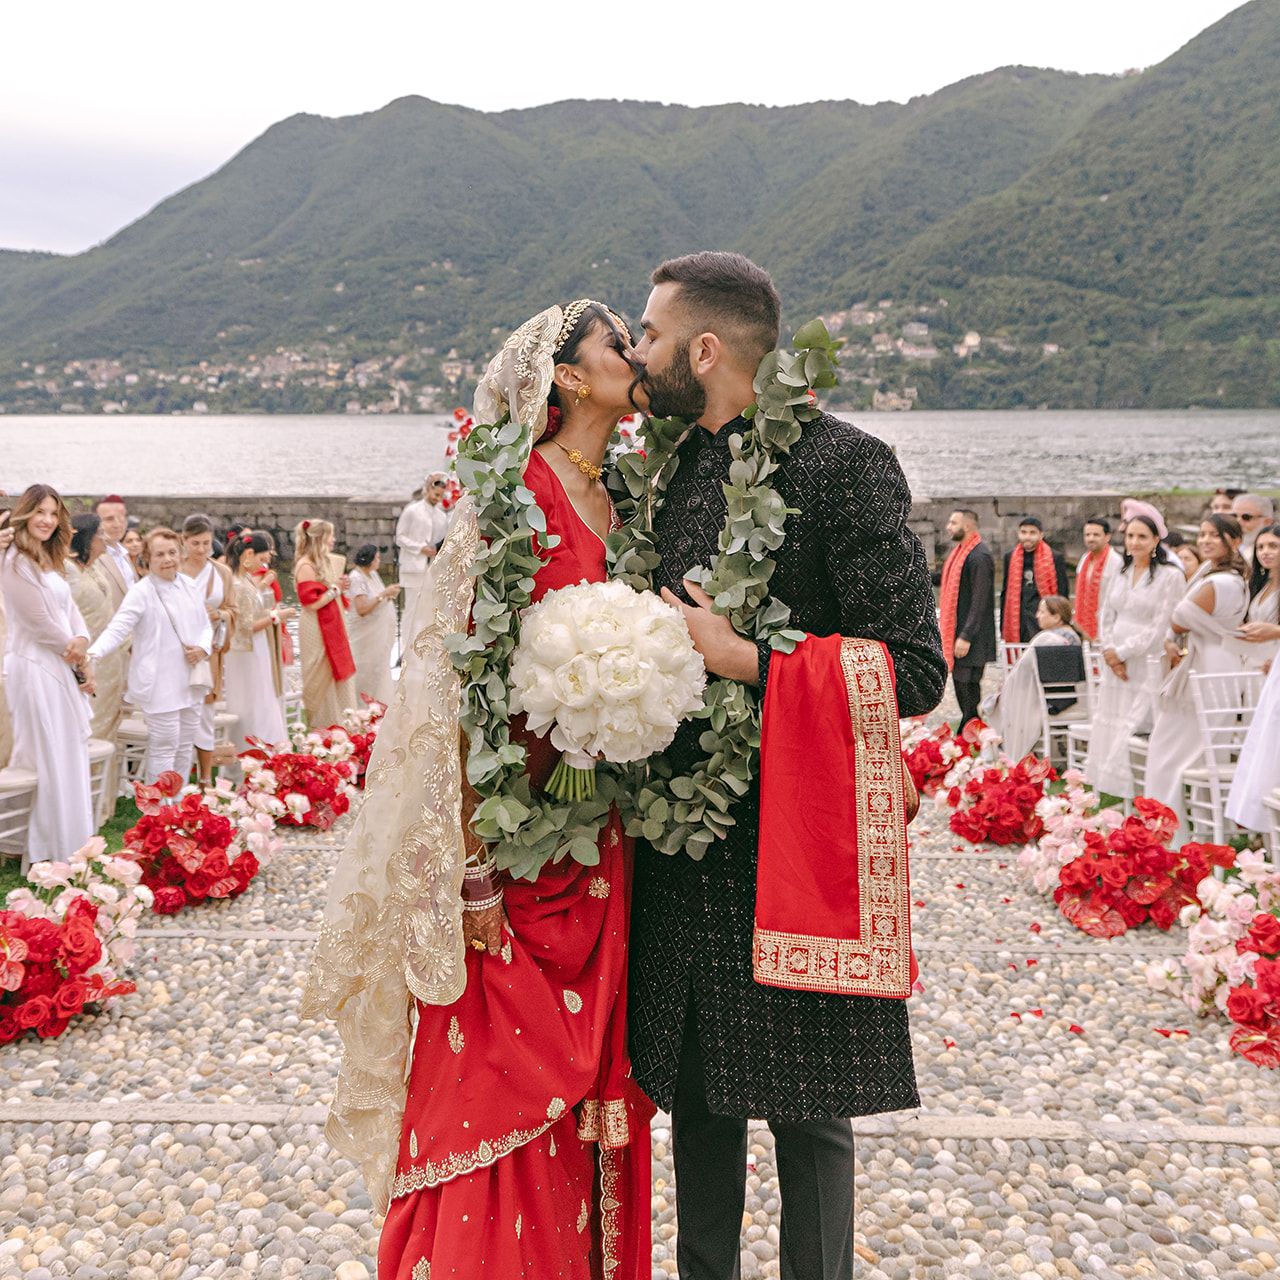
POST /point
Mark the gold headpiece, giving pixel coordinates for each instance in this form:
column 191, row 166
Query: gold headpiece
column 572, row 314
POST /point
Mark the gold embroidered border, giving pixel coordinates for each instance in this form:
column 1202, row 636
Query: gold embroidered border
column 879, row 962
column 433, row 1173
column 610, row 1208
column 606, row 1123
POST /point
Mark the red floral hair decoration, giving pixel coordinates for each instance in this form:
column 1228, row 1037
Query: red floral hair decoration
column 554, row 420
column 306, row 526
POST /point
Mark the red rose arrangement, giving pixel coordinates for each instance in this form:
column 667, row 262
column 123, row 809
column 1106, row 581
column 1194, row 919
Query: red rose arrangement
column 187, row 851
column 312, row 792
column 44, row 970
column 930, row 754
column 1130, row 876
column 1254, row 1005
column 998, row 806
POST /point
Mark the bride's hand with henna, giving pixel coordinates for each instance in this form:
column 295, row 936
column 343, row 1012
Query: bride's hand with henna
column 483, row 930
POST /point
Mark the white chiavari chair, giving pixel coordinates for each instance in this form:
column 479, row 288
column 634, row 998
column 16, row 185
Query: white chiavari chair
column 1224, row 704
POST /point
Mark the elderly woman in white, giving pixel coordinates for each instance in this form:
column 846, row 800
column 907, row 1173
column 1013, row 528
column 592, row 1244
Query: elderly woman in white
column 168, row 672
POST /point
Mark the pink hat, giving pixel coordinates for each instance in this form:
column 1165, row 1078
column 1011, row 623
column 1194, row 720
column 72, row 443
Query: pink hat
column 1131, row 507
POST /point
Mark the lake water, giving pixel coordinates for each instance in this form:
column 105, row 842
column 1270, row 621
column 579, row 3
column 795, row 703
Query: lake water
column 943, row 454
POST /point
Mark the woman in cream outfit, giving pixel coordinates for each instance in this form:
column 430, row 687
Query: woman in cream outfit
column 320, row 579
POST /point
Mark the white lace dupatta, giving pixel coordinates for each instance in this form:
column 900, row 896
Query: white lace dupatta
column 392, row 929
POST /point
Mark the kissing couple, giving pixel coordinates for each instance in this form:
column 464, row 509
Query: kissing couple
column 507, row 1037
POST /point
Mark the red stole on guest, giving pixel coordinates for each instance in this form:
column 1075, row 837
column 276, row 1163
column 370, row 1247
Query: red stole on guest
column 1088, row 586
column 1046, row 585
column 949, row 594
column 833, row 904
column 333, row 632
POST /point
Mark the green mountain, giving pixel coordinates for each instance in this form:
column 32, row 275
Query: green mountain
column 1148, row 243
column 449, row 221
column 1115, row 241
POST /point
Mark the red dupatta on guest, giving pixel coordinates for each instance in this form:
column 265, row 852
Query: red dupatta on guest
column 1088, row 586
column 833, row 904
column 333, row 632
column 1046, row 585
column 949, row 594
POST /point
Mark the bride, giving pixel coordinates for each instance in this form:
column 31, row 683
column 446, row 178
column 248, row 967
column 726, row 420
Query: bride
column 520, row 1142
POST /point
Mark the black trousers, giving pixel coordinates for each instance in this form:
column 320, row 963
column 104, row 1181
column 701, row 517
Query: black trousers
column 815, row 1170
column 968, row 686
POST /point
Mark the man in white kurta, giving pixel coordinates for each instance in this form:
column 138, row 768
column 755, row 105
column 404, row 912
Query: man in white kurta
column 420, row 530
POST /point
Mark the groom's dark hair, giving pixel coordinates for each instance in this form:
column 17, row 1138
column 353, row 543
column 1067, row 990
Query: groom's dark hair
column 728, row 295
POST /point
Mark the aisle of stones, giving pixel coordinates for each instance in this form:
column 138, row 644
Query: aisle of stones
column 179, row 1135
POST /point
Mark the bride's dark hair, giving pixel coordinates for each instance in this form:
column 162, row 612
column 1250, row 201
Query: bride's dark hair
column 567, row 351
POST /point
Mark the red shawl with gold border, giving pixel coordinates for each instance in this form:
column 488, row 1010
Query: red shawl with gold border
column 833, row 904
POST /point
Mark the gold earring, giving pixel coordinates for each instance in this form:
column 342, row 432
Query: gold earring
column 584, row 391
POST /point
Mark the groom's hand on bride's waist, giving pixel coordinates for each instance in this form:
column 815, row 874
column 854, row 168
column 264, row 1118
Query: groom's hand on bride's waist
column 723, row 650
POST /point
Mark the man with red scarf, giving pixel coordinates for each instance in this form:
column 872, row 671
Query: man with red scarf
column 1032, row 570
column 1099, row 567
column 966, row 609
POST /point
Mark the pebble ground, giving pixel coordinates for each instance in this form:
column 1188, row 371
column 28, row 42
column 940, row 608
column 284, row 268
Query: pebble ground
column 178, row 1136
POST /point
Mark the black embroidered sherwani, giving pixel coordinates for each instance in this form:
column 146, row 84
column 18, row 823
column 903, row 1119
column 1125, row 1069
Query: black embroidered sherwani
column 849, row 566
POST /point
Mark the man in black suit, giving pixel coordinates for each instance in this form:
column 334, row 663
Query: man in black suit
column 1037, row 571
column 967, row 607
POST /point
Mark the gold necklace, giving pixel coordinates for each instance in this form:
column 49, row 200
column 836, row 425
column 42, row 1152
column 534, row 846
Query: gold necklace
column 581, row 461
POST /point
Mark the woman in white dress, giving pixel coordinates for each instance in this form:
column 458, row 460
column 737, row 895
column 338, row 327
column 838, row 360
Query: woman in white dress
column 1205, row 619
column 212, row 583
column 45, row 648
column 1260, row 635
column 1015, row 710
column 371, row 624
column 169, row 674
column 1132, row 627
column 253, row 686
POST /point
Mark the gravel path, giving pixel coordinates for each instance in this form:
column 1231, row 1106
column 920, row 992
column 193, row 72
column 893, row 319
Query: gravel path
column 178, row 1137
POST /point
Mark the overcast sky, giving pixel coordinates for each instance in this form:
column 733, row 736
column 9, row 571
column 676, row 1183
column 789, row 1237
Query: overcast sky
column 105, row 109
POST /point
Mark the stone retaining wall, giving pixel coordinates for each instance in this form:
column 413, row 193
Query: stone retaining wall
column 358, row 520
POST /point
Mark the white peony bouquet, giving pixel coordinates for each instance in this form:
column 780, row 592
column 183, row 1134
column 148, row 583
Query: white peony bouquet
column 611, row 671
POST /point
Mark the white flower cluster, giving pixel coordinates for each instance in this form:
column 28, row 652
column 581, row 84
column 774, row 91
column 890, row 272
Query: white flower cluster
column 253, row 811
column 110, row 881
column 1211, row 966
column 1067, row 817
column 611, row 671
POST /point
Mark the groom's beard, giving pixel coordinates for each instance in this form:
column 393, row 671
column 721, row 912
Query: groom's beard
column 675, row 392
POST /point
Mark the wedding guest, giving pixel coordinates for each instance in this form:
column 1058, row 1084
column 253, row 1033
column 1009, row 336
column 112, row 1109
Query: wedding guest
column 1222, row 501
column 328, row 669
column 1016, row 709
column 135, row 546
column 966, row 604
column 45, row 648
column 212, row 583
column 1131, row 632
column 1261, row 630
column 1257, row 772
column 1099, row 567
column 117, row 566
column 1203, row 620
column 6, row 720
column 169, row 673
column 1253, row 512
column 372, row 625
column 420, row 530
column 91, row 590
column 1032, row 570
column 1184, row 552
column 269, row 583
column 254, row 679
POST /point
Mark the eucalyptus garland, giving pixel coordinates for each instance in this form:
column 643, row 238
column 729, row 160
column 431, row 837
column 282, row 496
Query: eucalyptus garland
column 523, row 830
column 686, row 813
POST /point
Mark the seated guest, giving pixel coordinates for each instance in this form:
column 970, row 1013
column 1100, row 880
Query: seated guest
column 1131, row 632
column 1261, row 631
column 1253, row 512
column 1184, row 552
column 169, row 673
column 1204, row 619
column 1099, row 567
column 254, row 678
column 44, row 649
column 1032, row 570
column 1257, row 772
column 966, row 610
column 371, row 624
column 1016, row 709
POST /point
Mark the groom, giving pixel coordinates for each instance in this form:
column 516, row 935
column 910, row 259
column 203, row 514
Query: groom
column 707, row 1042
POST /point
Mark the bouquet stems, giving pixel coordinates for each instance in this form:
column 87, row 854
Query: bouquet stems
column 572, row 783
